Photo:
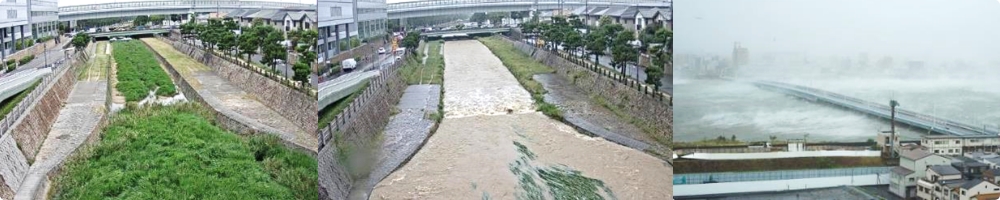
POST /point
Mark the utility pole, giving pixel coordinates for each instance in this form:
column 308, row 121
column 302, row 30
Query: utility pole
column 892, row 128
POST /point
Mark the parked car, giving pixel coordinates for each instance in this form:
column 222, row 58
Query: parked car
column 381, row 50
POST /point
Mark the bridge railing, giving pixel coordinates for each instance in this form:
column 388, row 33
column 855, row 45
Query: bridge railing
column 195, row 3
column 981, row 128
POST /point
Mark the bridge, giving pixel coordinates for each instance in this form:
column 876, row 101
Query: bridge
column 907, row 117
column 435, row 34
column 126, row 9
column 129, row 33
column 13, row 83
column 426, row 8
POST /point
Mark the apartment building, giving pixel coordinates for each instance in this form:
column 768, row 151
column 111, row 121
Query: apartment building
column 957, row 145
column 43, row 17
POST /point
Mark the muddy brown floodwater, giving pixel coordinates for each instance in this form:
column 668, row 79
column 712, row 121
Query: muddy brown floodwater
column 479, row 151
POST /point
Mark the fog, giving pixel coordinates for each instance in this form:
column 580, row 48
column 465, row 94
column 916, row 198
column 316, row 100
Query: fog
column 818, row 34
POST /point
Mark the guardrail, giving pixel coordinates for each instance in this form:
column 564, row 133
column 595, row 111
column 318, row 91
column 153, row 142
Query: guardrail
column 297, row 85
column 60, row 67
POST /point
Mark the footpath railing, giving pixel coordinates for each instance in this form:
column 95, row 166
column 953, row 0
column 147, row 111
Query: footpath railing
column 59, row 67
column 375, row 86
column 297, row 85
column 604, row 71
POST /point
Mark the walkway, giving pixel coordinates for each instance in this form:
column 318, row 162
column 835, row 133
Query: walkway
column 492, row 144
column 403, row 136
column 230, row 99
column 77, row 120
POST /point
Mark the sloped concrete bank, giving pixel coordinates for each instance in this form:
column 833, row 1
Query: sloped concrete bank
column 296, row 106
column 223, row 118
column 20, row 145
column 357, row 129
column 640, row 107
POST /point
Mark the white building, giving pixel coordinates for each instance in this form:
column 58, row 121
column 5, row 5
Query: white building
column 372, row 18
column 336, row 23
column 44, row 17
column 913, row 162
column 13, row 26
column 956, row 145
column 938, row 182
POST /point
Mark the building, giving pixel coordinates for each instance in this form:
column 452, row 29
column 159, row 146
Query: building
column 44, row 17
column 371, row 18
column 14, row 26
column 336, row 23
column 957, row 145
column 939, row 182
column 913, row 162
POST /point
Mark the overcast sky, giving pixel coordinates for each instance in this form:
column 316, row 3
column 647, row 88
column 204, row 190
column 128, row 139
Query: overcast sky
column 953, row 29
column 83, row 2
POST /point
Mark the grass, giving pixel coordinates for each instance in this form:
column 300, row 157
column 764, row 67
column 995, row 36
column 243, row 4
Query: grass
column 139, row 72
column 7, row 105
column 415, row 72
column 175, row 152
column 326, row 115
column 646, row 126
column 524, row 68
column 561, row 182
column 703, row 166
column 97, row 68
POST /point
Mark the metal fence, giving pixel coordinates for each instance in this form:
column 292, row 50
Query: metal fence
column 297, row 85
column 603, row 71
column 59, row 67
column 343, row 119
column 719, row 177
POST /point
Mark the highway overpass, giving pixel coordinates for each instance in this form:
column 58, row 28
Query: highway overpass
column 426, row 8
column 127, row 9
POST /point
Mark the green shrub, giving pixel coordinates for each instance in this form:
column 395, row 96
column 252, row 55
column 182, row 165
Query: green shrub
column 139, row 72
column 26, row 59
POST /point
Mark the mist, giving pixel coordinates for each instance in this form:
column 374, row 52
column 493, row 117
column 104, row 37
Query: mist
column 844, row 38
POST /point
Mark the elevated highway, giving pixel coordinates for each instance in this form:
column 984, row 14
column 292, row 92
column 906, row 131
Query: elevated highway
column 129, row 33
column 436, row 34
column 126, row 9
column 911, row 118
column 452, row 7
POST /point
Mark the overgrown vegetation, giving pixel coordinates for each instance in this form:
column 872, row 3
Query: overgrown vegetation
column 328, row 114
column 139, row 72
column 7, row 105
column 561, row 182
column 703, row 166
column 175, row 152
column 25, row 60
column 432, row 72
column 524, row 68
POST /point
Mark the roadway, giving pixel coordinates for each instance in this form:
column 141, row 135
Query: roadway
column 907, row 117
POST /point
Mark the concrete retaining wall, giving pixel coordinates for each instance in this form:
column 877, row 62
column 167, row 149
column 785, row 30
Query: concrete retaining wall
column 357, row 126
column 296, row 106
column 223, row 118
column 641, row 107
column 20, row 145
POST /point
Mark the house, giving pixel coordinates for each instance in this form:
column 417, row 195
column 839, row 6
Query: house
column 956, row 145
column 977, row 187
column 992, row 175
column 971, row 169
column 938, row 182
column 299, row 21
column 913, row 162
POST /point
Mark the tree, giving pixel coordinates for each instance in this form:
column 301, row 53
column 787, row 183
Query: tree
column 302, row 72
column 411, row 41
column 478, row 17
column 273, row 49
column 157, row 19
column 573, row 41
column 655, row 72
column 140, row 20
column 227, row 41
column 248, row 43
column 80, row 41
column 231, row 25
column 622, row 52
column 596, row 44
column 496, row 17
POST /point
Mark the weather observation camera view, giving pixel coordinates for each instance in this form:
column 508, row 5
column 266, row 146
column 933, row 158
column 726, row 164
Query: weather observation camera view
column 494, row 99
column 846, row 99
